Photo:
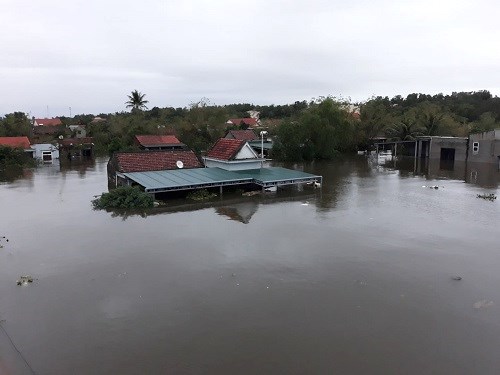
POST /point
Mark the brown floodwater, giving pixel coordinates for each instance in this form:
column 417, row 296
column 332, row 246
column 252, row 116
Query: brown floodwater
column 355, row 278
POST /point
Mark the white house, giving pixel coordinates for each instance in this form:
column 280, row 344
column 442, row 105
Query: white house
column 45, row 152
column 233, row 155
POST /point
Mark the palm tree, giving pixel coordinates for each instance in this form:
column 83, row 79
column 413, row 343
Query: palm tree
column 406, row 130
column 136, row 101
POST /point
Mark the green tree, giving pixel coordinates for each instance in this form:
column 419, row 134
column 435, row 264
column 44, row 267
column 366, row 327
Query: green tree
column 136, row 101
column 406, row 129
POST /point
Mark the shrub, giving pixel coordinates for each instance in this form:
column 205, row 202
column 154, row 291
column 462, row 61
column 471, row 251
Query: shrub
column 125, row 197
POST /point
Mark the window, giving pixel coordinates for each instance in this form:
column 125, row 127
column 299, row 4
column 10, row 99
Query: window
column 475, row 148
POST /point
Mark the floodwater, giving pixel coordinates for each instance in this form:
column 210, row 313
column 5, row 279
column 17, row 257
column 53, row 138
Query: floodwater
column 355, row 278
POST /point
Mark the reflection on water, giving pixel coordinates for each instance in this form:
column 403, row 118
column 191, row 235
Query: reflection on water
column 484, row 175
column 241, row 212
column 352, row 278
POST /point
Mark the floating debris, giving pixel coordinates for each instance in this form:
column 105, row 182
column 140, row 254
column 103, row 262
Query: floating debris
column 435, row 187
column 490, row 197
column 483, row 304
column 24, row 280
column 306, row 203
column 456, row 278
column 3, row 239
column 251, row 193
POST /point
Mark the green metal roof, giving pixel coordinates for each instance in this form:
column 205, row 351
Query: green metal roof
column 184, row 179
column 257, row 144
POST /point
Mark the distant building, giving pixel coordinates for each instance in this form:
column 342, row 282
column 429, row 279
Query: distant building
column 48, row 130
column 47, row 122
column 485, row 147
column 243, row 122
column 159, row 142
column 146, row 161
column 79, row 131
column 232, row 154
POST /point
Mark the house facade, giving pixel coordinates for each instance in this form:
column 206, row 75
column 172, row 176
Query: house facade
column 46, row 152
column 79, row 131
column 485, row 147
column 232, row 155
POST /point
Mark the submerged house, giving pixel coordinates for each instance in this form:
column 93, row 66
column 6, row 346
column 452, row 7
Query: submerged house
column 148, row 161
column 158, row 142
column 46, row 152
column 232, row 154
column 71, row 148
column 485, row 147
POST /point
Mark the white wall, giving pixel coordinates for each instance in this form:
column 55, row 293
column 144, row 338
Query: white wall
column 39, row 148
column 246, row 152
column 234, row 165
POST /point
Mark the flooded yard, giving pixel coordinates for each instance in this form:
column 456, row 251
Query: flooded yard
column 375, row 273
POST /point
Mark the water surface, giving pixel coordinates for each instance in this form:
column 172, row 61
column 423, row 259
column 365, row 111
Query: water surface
column 354, row 278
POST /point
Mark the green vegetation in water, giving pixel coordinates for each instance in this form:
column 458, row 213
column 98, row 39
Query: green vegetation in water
column 201, row 195
column 489, row 197
column 127, row 197
column 14, row 158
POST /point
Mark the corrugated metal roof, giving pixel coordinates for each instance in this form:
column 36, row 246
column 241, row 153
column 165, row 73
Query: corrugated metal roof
column 182, row 179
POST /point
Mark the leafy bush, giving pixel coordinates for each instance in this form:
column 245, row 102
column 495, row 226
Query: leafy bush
column 125, row 197
column 15, row 157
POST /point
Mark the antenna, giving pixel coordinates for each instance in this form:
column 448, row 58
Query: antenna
column 69, row 111
column 179, row 164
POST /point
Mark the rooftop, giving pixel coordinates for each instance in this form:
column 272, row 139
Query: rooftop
column 155, row 160
column 48, row 121
column 184, row 179
column 225, row 149
column 245, row 135
column 157, row 140
column 20, row 142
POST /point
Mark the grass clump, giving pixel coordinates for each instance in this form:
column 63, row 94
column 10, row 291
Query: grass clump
column 126, row 197
column 201, row 195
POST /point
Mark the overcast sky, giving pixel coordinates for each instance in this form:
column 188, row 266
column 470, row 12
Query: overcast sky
column 88, row 55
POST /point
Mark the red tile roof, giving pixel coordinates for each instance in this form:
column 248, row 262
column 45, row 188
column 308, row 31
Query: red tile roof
column 155, row 160
column 246, row 121
column 157, row 140
column 48, row 121
column 225, row 149
column 245, row 135
column 20, row 142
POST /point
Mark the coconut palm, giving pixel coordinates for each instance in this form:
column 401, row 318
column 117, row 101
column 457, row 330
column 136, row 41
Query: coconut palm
column 136, row 101
column 406, row 130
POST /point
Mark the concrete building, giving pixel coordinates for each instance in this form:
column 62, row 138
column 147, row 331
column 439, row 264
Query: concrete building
column 485, row 147
column 45, row 152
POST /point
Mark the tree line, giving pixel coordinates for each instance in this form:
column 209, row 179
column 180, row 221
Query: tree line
column 305, row 130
